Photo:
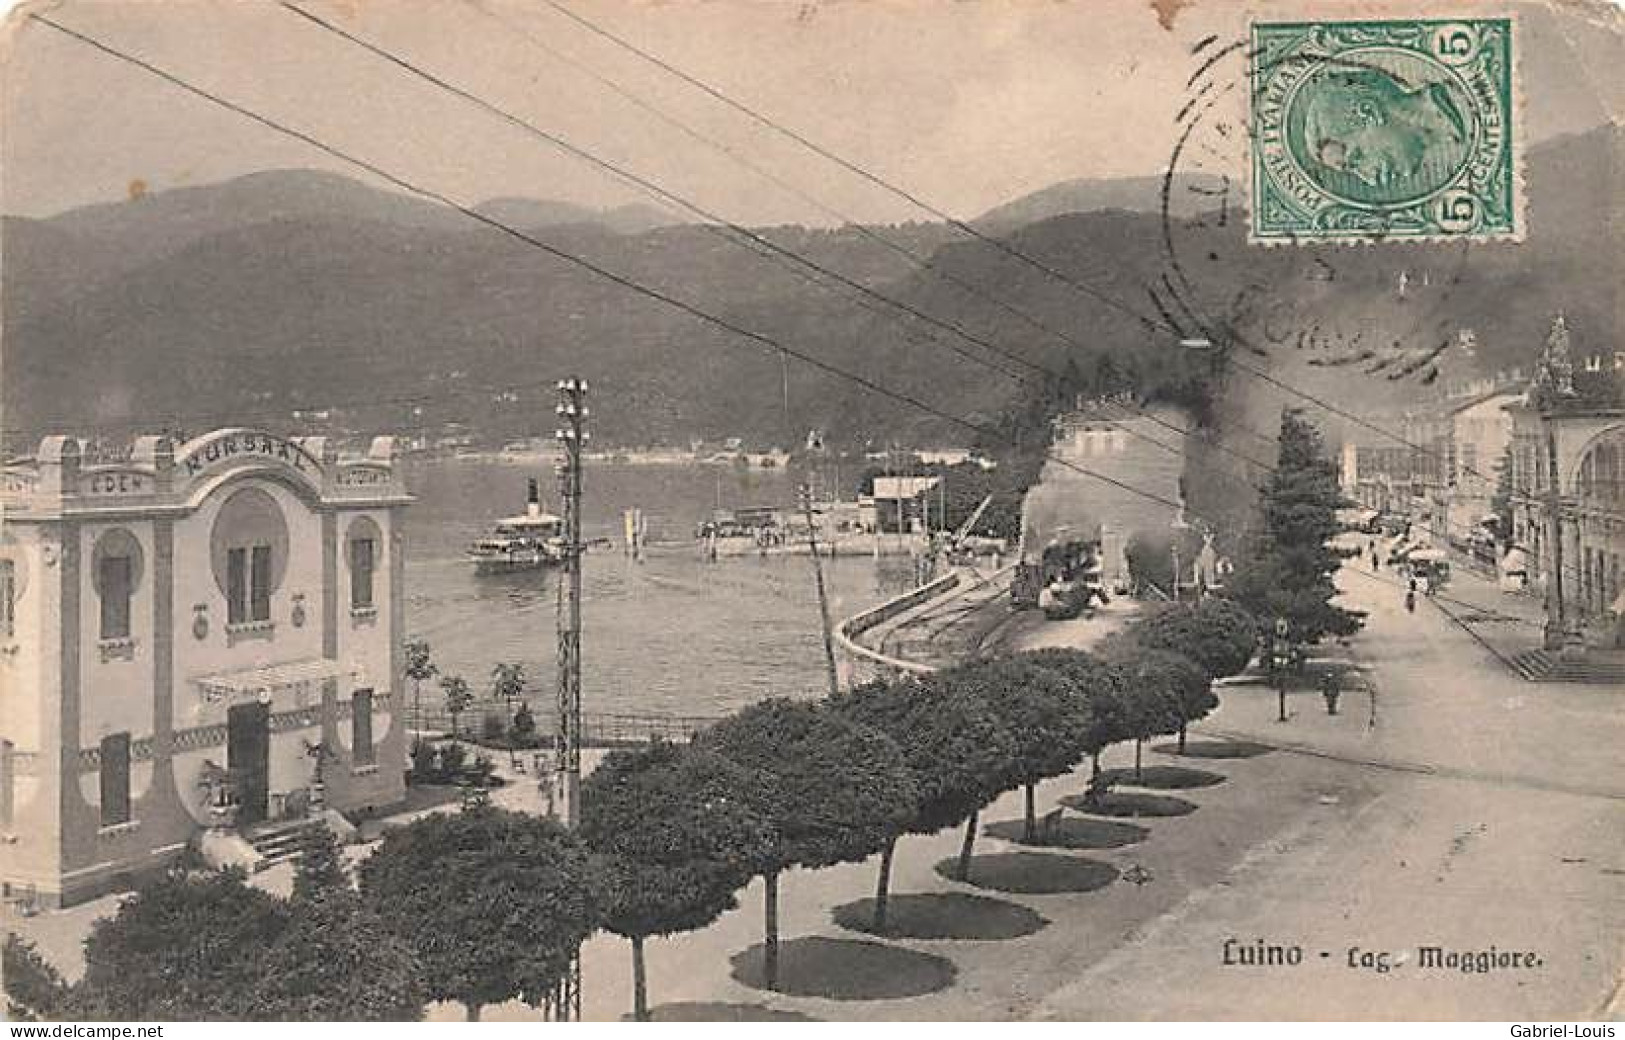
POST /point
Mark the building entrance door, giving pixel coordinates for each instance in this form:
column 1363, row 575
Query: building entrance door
column 248, row 759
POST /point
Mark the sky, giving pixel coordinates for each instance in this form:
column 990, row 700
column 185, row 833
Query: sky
column 967, row 104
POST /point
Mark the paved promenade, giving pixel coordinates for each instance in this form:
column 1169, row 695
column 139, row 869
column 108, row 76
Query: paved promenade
column 1495, row 816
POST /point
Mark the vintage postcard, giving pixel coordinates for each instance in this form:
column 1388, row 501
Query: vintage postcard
column 848, row 510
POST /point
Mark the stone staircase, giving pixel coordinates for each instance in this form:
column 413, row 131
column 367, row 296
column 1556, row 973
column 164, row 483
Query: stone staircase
column 1600, row 667
column 280, row 842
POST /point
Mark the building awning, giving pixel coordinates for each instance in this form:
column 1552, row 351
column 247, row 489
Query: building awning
column 269, row 679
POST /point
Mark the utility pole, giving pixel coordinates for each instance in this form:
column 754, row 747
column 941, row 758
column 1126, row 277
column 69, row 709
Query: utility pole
column 572, row 411
column 572, row 436
column 823, row 596
column 784, row 375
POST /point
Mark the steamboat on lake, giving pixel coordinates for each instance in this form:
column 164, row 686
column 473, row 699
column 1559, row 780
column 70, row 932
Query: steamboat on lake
column 530, row 541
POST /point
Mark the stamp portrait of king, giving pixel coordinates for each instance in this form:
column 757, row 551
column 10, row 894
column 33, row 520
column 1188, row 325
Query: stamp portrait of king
column 1383, row 130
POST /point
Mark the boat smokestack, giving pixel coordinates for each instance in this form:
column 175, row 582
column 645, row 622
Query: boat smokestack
column 533, row 499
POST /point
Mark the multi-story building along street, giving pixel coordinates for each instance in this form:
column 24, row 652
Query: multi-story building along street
column 1568, row 486
column 1440, row 463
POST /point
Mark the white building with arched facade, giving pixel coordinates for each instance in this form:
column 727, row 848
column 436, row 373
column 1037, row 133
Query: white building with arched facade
column 199, row 635
column 1568, row 486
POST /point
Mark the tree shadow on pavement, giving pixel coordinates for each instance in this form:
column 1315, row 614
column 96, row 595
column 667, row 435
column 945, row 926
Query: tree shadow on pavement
column 1214, row 749
column 943, row 915
column 1164, row 778
column 716, row 1012
column 1031, row 873
column 847, row 969
column 1130, row 805
column 1071, row 833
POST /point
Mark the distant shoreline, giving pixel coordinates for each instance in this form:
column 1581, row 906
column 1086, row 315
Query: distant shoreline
column 759, row 461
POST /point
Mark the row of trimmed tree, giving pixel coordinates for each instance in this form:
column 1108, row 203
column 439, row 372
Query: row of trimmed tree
column 486, row 905
column 678, row 831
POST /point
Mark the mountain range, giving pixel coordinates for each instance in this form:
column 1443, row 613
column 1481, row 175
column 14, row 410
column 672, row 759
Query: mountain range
column 1188, row 195
column 293, row 289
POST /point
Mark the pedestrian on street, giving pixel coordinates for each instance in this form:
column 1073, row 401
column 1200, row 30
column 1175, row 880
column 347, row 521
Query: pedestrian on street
column 1410, row 598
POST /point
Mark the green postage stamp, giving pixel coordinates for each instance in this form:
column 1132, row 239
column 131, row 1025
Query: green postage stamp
column 1384, row 130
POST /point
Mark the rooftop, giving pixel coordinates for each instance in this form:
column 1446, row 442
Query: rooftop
column 892, row 488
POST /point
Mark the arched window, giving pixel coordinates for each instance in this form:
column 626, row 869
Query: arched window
column 116, row 572
column 249, row 552
column 364, row 542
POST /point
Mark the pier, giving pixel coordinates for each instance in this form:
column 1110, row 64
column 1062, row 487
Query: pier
column 945, row 620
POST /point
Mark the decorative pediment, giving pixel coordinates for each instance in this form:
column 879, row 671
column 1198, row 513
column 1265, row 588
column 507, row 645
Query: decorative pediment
column 222, row 450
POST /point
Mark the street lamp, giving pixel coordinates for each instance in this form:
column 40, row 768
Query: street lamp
column 1280, row 657
column 1179, row 525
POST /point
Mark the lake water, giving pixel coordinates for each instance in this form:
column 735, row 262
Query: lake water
column 671, row 633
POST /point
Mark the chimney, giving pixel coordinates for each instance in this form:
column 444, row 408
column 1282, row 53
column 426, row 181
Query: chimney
column 533, row 499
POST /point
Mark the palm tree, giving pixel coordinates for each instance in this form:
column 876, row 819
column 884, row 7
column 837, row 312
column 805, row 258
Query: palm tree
column 458, row 698
column 507, row 684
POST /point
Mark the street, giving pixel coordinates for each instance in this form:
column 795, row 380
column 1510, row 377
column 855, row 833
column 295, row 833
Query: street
column 1498, row 820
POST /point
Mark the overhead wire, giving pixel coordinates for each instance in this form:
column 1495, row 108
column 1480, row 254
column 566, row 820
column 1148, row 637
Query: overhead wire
column 625, row 282
column 614, row 277
column 922, row 204
column 665, row 194
column 854, row 168
column 650, row 186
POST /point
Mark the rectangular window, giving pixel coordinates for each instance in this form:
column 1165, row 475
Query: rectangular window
column 248, row 584
column 8, row 599
column 115, row 775
column 236, row 586
column 259, row 593
column 361, row 727
column 361, row 570
column 115, row 573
